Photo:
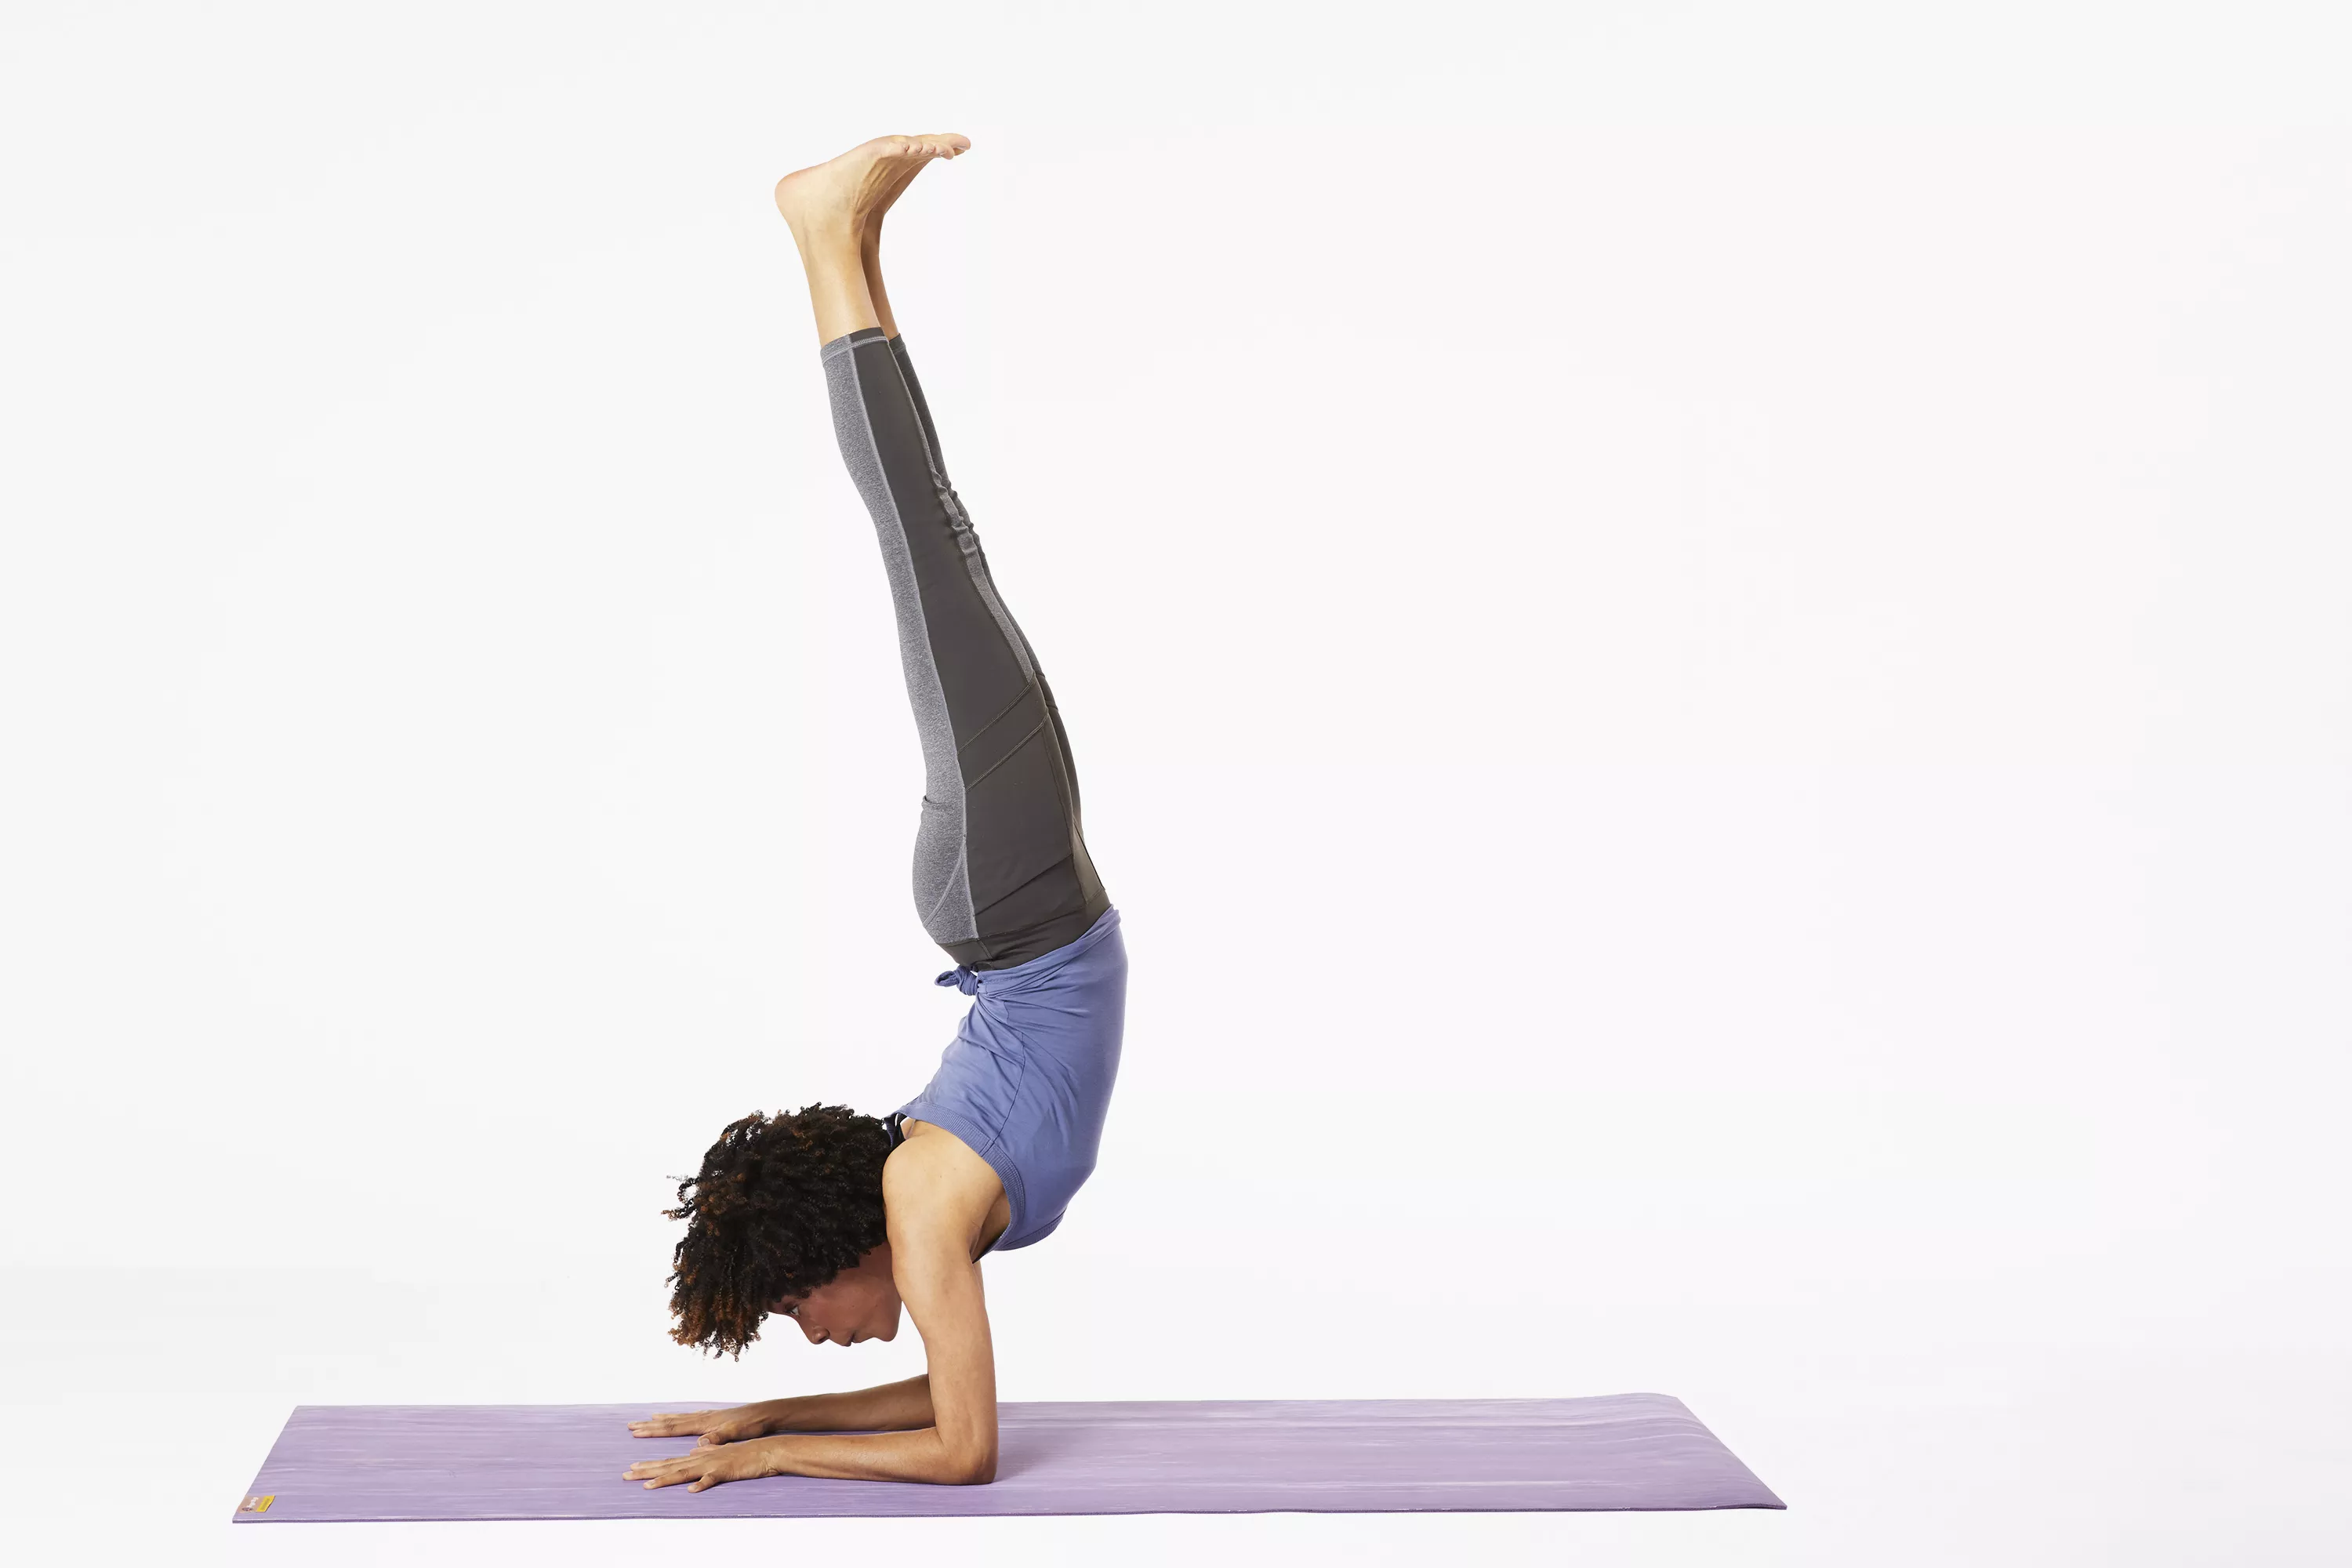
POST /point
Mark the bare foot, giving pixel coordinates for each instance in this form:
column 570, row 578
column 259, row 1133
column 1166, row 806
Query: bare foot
column 849, row 194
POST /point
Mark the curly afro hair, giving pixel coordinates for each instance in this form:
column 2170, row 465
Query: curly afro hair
column 783, row 1204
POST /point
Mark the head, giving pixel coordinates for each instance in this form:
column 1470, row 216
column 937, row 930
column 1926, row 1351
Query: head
column 786, row 1216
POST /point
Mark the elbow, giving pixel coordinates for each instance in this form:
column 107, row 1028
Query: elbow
column 969, row 1469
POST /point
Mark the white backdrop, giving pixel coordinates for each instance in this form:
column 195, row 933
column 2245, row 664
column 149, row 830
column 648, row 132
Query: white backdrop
column 1751, row 597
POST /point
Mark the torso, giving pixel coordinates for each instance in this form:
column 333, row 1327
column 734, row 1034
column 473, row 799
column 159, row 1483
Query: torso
column 1021, row 1093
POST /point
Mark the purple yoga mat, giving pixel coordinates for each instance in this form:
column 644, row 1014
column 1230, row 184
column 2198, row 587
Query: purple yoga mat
column 347, row 1462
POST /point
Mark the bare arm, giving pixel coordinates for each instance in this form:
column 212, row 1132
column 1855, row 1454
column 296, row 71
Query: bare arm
column 887, row 1408
column 938, row 1193
column 890, row 1407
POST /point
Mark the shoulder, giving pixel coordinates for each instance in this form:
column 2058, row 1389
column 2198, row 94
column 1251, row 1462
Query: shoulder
column 934, row 1179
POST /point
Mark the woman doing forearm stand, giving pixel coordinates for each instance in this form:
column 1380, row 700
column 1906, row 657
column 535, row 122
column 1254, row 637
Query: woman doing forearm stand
column 834, row 1219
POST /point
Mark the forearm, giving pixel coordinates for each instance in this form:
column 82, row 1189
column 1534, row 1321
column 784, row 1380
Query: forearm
column 892, row 1407
column 920, row 1455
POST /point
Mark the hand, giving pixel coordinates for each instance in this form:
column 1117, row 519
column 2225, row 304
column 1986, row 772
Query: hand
column 706, row 1467
column 717, row 1426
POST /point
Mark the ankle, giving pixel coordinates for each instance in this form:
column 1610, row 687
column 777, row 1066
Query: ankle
column 831, row 236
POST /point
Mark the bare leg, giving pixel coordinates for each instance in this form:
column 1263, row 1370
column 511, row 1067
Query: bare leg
column 835, row 211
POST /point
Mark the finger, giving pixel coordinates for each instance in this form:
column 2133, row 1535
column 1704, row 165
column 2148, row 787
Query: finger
column 677, row 1422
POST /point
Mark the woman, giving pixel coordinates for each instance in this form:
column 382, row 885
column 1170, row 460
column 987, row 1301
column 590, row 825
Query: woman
column 835, row 1219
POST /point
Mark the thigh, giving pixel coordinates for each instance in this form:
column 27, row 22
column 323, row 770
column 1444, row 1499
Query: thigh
column 1002, row 873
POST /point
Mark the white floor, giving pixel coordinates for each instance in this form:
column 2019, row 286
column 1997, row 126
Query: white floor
column 2021, row 1454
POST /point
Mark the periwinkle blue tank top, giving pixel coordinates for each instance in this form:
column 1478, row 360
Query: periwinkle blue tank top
column 1026, row 1081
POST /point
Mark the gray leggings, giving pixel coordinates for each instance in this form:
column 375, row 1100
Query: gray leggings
column 1002, row 874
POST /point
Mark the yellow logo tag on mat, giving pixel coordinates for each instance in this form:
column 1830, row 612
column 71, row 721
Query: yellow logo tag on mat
column 258, row 1504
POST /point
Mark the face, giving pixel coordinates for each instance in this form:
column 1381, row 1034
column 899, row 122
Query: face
column 860, row 1303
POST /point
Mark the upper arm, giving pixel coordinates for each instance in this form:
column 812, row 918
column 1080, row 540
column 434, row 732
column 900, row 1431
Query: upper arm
column 937, row 1193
